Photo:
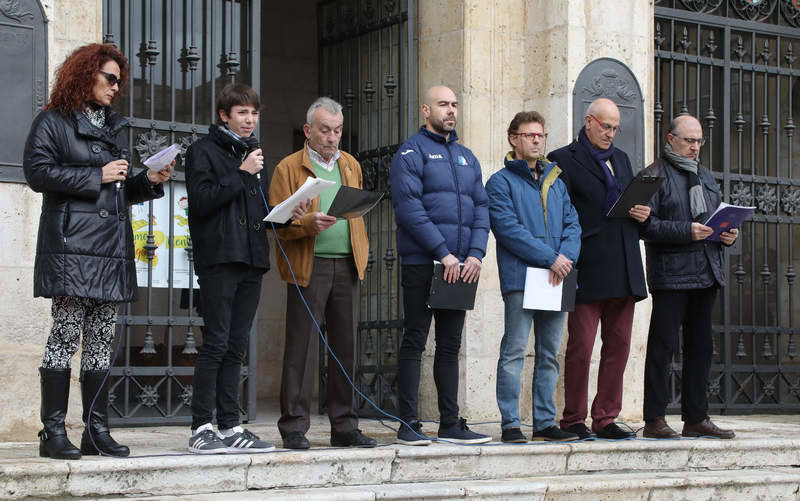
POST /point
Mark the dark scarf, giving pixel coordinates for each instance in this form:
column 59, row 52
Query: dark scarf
column 697, row 200
column 613, row 189
column 228, row 139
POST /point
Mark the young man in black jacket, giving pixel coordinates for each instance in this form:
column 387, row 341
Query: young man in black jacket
column 226, row 211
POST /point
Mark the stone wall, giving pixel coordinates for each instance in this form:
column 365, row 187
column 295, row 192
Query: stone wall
column 505, row 57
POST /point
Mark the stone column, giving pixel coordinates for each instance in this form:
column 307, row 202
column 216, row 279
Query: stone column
column 505, row 57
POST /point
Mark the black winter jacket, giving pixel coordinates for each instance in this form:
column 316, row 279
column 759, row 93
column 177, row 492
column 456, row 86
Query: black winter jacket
column 674, row 260
column 226, row 208
column 78, row 252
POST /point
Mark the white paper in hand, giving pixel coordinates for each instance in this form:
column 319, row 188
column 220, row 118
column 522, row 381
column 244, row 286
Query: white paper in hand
column 539, row 293
column 162, row 159
column 310, row 189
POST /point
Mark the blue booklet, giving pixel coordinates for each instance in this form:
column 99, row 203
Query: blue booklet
column 726, row 218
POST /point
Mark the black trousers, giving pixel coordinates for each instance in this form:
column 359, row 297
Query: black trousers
column 416, row 280
column 673, row 309
column 229, row 294
column 332, row 295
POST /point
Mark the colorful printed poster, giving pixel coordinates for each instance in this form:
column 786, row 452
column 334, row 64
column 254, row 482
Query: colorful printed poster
column 179, row 226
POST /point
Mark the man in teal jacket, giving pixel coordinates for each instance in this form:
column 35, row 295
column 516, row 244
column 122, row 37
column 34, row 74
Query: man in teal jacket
column 535, row 225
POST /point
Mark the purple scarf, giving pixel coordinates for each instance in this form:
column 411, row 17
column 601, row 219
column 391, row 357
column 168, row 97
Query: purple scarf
column 613, row 190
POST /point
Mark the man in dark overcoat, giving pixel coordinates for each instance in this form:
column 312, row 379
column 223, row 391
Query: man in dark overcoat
column 610, row 275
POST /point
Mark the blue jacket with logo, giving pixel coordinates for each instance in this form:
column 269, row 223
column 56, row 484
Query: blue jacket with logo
column 440, row 205
column 532, row 221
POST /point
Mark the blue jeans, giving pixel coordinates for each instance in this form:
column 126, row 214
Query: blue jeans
column 548, row 327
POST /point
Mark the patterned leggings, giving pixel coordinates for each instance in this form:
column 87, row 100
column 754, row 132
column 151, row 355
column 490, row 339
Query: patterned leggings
column 71, row 316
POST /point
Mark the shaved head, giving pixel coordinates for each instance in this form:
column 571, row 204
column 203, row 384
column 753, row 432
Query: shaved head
column 439, row 91
column 440, row 109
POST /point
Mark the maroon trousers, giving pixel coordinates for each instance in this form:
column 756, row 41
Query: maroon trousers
column 616, row 319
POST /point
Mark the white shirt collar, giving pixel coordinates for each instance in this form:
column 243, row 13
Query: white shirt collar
column 317, row 158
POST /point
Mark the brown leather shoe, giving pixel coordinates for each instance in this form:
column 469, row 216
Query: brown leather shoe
column 658, row 428
column 706, row 428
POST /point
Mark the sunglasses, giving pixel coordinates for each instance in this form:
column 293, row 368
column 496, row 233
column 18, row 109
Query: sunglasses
column 111, row 78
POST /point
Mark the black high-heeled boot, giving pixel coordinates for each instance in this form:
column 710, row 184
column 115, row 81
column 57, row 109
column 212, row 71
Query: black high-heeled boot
column 53, row 440
column 97, row 422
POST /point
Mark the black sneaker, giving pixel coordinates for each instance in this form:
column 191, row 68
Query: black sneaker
column 296, row 440
column 580, row 429
column 614, row 432
column 554, row 434
column 352, row 438
column 461, row 434
column 244, row 441
column 412, row 435
column 513, row 436
column 206, row 441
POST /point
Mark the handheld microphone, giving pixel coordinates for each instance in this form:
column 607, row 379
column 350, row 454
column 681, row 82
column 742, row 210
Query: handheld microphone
column 124, row 154
column 253, row 144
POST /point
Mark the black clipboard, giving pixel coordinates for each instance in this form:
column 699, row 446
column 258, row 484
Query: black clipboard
column 351, row 202
column 568, row 290
column 445, row 296
column 638, row 192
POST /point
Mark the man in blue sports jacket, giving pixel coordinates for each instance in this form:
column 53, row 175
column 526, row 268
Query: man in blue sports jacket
column 441, row 214
column 535, row 225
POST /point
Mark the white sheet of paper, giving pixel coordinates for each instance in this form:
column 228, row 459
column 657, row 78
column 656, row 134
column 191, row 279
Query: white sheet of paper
column 310, row 189
column 160, row 160
column 539, row 294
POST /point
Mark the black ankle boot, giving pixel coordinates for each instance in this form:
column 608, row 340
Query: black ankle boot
column 92, row 388
column 53, row 440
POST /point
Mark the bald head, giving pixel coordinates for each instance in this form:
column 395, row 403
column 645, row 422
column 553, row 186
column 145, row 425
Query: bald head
column 683, row 122
column 438, row 92
column 686, row 136
column 603, row 107
column 440, row 109
column 602, row 123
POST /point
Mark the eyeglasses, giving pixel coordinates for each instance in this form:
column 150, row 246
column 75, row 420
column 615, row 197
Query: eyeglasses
column 606, row 127
column 531, row 136
column 111, row 78
column 692, row 140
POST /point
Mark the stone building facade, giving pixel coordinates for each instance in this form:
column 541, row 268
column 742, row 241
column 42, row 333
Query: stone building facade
column 499, row 57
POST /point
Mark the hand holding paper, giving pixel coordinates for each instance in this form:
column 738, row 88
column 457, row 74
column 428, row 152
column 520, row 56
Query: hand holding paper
column 310, row 189
column 163, row 158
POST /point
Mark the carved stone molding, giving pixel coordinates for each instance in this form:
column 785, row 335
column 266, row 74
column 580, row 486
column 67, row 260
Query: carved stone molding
column 12, row 10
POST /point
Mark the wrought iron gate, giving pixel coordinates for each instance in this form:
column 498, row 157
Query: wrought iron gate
column 367, row 57
column 181, row 52
column 731, row 63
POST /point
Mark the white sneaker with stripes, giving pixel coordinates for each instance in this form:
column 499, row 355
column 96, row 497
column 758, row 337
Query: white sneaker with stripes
column 242, row 441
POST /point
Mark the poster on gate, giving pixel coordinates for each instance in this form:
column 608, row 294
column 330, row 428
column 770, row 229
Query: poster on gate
column 140, row 219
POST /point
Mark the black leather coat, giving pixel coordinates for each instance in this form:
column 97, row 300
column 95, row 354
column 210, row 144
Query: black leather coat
column 83, row 244
column 674, row 260
column 226, row 208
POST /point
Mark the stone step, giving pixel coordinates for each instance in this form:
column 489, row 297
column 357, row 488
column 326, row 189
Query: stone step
column 186, row 474
column 762, row 484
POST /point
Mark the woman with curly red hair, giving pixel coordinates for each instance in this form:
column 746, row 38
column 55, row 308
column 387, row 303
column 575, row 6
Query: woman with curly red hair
column 77, row 156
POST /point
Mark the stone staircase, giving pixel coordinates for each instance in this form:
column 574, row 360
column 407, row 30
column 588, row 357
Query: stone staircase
column 756, row 465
